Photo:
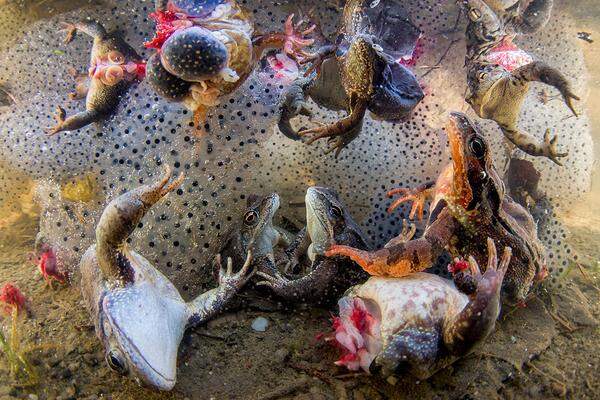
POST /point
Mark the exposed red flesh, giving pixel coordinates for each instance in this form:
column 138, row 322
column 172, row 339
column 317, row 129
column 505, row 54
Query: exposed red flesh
column 457, row 266
column 12, row 298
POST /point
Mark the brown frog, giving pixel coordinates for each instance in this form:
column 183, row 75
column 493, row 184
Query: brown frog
column 114, row 67
column 469, row 205
column 499, row 73
column 359, row 72
column 223, row 33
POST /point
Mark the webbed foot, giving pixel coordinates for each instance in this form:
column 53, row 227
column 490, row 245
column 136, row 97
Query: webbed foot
column 296, row 40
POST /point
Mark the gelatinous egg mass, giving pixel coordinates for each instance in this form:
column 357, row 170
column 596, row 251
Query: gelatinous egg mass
column 241, row 152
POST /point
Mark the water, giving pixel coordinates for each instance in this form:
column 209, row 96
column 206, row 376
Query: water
column 58, row 186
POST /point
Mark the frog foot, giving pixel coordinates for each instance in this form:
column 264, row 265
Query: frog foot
column 60, row 116
column 234, row 281
column 408, row 231
column 274, row 281
column 418, row 196
column 296, row 40
column 69, row 30
column 550, row 150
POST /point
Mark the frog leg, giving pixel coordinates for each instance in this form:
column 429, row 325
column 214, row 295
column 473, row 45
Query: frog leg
column 298, row 247
column 161, row 5
column 340, row 130
column 415, row 349
column 91, row 28
column 82, row 84
column 199, row 119
column 408, row 231
column 291, row 40
column 418, row 196
column 404, row 258
column 212, row 302
column 474, row 323
column 293, row 103
column 74, row 122
column 531, row 146
column 531, row 19
column 542, row 72
column 120, row 218
column 312, row 286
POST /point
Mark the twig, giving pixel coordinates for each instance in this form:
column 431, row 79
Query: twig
column 561, row 321
column 211, row 335
column 437, row 64
column 539, row 371
column 285, row 390
column 587, row 277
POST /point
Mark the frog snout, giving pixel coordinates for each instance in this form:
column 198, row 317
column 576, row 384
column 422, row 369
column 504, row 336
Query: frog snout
column 194, row 54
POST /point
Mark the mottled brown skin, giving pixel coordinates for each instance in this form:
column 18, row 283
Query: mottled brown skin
column 347, row 76
column 474, row 207
column 498, row 94
column 101, row 100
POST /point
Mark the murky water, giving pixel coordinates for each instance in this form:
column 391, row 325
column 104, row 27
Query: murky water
column 53, row 190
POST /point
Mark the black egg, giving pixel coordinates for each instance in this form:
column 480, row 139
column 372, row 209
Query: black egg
column 163, row 82
column 194, row 54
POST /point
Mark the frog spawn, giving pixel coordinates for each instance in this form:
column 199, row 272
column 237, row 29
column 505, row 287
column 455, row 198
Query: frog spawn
column 241, row 155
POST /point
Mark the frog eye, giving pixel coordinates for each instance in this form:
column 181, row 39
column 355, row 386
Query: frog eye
column 250, row 217
column 336, row 211
column 477, row 146
column 482, row 75
column 474, row 14
column 114, row 361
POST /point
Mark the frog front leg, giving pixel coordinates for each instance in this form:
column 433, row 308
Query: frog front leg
column 418, row 196
column 90, row 28
column 403, row 258
column 296, row 249
column 211, row 303
column 293, row 103
column 74, row 122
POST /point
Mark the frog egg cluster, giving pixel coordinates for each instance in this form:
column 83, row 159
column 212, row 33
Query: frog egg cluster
column 242, row 153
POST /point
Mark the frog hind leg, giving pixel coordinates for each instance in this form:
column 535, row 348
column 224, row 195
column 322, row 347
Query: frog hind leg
column 532, row 146
column 82, row 85
column 542, row 72
column 73, row 122
column 533, row 18
column 413, row 349
column 346, row 129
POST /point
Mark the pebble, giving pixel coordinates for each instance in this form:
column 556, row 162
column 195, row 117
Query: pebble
column 281, row 355
column 558, row 389
column 260, row 324
column 32, row 397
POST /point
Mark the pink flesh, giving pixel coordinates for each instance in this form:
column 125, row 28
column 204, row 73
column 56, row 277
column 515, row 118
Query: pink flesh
column 509, row 56
column 357, row 332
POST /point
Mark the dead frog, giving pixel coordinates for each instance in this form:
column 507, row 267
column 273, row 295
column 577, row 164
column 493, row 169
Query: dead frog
column 223, row 33
column 327, row 222
column 418, row 324
column 139, row 315
column 499, row 73
column 114, row 67
column 361, row 71
column 469, row 203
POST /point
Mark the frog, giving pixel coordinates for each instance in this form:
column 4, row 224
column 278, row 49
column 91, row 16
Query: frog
column 256, row 232
column 114, row 67
column 328, row 222
column 138, row 314
column 420, row 323
column 223, row 33
column 359, row 72
column 469, row 202
column 499, row 75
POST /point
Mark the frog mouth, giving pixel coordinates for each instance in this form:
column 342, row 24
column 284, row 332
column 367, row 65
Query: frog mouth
column 455, row 130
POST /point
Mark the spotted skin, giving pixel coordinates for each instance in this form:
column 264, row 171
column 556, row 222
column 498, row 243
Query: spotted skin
column 425, row 322
column 101, row 99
